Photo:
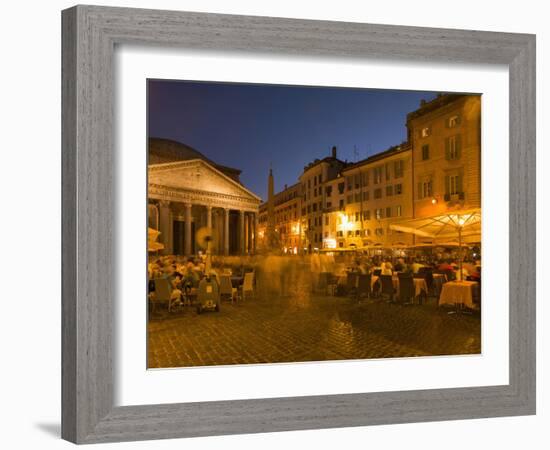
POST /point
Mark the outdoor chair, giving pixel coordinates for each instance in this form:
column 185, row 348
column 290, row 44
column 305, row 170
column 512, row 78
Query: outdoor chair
column 162, row 294
column 363, row 286
column 247, row 287
column 427, row 274
column 387, row 289
column 406, row 289
column 227, row 291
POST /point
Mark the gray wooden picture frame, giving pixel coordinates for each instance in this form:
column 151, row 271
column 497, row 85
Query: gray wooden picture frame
column 90, row 34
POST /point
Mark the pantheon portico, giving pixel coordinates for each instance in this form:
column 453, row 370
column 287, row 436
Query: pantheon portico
column 184, row 196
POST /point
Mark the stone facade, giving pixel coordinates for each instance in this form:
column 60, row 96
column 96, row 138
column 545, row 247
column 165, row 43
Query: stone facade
column 187, row 195
column 345, row 205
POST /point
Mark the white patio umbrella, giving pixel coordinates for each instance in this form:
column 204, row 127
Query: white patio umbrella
column 454, row 224
column 152, row 244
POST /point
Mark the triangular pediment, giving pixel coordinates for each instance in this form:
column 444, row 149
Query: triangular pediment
column 199, row 176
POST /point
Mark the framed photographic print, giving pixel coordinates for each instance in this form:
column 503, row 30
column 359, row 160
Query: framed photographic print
column 277, row 224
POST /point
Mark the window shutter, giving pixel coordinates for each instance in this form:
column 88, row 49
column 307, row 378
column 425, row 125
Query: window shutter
column 447, row 149
column 447, row 185
column 458, row 146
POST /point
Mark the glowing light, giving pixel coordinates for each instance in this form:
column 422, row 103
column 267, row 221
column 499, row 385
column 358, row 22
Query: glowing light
column 346, row 224
column 434, row 201
column 329, row 243
column 461, row 221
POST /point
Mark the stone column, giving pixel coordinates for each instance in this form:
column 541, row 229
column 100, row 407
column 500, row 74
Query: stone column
column 164, row 226
column 188, row 229
column 226, row 231
column 255, row 232
column 242, row 236
column 209, row 217
column 249, row 233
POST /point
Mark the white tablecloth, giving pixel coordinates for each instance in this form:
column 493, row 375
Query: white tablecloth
column 457, row 292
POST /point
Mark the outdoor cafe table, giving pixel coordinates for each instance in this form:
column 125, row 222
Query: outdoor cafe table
column 457, row 292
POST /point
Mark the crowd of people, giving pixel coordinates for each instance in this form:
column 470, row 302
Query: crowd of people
column 471, row 270
column 278, row 275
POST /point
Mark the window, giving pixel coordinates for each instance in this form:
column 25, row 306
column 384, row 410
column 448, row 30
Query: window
column 357, row 217
column 387, row 171
column 378, row 193
column 357, row 232
column 377, row 175
column 341, row 187
column 453, row 121
column 350, row 233
column 379, row 231
column 425, row 152
column 398, row 168
column 329, row 204
column 315, row 192
column 350, row 199
column 328, row 191
column 314, row 207
column 308, row 209
column 357, row 197
column 398, row 189
column 341, row 205
column 453, row 184
column 379, row 213
column 357, row 181
column 366, row 215
column 349, row 182
column 326, row 220
column 367, row 232
column 453, row 147
column 389, row 190
column 308, row 183
column 388, row 212
column 326, row 234
column 320, row 178
column 315, row 181
column 303, row 211
column 425, row 132
column 366, row 196
column 425, row 189
column 398, row 211
column 340, row 233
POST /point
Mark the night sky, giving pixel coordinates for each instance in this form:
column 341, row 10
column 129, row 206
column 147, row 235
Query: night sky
column 249, row 126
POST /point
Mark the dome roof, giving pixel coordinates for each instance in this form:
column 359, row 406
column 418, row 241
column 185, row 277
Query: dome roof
column 166, row 150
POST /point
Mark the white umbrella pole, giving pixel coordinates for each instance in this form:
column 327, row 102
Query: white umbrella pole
column 460, row 253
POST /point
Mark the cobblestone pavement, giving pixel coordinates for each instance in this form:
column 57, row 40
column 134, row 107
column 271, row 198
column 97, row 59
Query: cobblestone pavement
column 311, row 328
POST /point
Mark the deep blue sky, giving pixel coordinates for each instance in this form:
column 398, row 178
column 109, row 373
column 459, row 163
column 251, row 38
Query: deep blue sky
column 249, row 126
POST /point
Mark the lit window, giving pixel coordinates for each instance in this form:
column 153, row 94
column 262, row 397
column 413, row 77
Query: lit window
column 453, row 121
column 425, row 132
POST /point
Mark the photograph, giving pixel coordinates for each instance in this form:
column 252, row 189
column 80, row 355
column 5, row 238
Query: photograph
column 293, row 224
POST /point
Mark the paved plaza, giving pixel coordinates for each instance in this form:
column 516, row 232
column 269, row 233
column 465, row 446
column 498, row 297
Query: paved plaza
column 307, row 328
